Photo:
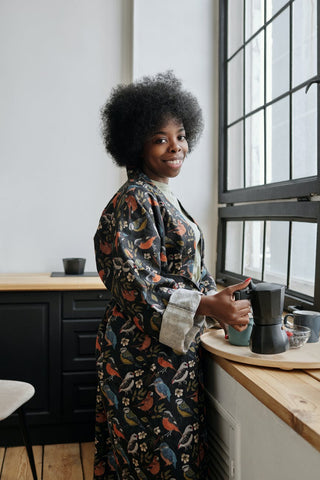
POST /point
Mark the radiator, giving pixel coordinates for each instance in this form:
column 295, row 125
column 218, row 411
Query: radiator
column 223, row 440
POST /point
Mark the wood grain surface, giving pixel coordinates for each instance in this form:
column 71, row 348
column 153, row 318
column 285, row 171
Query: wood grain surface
column 43, row 281
column 58, row 462
column 306, row 357
column 16, row 463
column 87, row 456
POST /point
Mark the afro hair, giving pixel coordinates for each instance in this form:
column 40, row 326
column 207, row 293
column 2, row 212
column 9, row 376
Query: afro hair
column 133, row 112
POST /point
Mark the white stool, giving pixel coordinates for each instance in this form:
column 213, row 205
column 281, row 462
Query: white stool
column 13, row 395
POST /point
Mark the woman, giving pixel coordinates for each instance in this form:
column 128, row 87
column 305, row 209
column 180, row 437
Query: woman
column 149, row 253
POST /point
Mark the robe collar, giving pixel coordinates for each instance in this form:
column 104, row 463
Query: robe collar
column 138, row 174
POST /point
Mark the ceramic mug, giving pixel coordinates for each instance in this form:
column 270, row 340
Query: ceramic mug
column 74, row 266
column 307, row 318
column 241, row 339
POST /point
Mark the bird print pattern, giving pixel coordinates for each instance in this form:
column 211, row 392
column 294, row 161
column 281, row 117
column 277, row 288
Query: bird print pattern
column 150, row 418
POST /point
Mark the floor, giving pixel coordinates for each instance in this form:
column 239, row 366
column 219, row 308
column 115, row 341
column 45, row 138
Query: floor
column 72, row 461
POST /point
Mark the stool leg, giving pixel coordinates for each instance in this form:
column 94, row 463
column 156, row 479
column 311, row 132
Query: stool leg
column 27, row 442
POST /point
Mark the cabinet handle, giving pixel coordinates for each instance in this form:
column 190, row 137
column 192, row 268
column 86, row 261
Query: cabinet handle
column 101, row 296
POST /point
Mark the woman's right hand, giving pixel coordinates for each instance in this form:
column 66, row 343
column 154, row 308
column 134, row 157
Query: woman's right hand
column 223, row 307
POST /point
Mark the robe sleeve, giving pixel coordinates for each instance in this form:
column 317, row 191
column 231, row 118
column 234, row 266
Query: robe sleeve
column 129, row 247
column 180, row 324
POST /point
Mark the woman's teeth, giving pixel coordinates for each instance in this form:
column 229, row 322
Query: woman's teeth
column 174, row 162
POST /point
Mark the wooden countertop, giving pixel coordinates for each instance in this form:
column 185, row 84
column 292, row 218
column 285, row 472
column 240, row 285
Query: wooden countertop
column 294, row 396
column 44, row 281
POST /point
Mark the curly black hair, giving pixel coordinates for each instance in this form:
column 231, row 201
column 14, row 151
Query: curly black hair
column 133, row 112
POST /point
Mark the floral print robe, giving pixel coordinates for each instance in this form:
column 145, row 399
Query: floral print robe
column 150, row 405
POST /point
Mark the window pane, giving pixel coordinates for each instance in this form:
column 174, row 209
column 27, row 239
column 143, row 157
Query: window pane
column 253, row 245
column 254, row 73
column 235, row 156
column 235, row 88
column 277, row 56
column 276, row 252
column 277, row 131
column 254, row 16
column 304, row 133
column 303, row 257
column 255, row 149
column 304, row 56
column 234, row 246
column 235, row 25
column 273, row 6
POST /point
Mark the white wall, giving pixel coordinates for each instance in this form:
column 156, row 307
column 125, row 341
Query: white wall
column 59, row 61
column 182, row 35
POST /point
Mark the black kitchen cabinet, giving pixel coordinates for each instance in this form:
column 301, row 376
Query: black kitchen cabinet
column 30, row 349
column 48, row 339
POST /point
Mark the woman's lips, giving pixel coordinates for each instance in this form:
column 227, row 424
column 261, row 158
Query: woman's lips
column 174, row 162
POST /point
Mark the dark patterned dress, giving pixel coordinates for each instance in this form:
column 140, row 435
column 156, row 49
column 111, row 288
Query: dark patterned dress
column 150, row 420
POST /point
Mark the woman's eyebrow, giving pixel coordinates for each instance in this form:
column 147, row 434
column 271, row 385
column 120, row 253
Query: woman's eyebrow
column 165, row 133
column 159, row 133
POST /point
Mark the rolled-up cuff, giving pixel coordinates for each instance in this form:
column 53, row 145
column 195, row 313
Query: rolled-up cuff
column 180, row 324
column 211, row 292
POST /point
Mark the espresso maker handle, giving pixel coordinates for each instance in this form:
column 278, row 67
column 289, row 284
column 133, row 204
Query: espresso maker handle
column 285, row 321
column 242, row 294
column 237, row 295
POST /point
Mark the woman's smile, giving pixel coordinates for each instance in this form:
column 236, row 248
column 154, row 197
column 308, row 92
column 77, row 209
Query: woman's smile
column 174, row 163
column 164, row 152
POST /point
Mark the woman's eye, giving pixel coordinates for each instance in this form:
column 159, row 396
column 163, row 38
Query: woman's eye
column 160, row 140
column 182, row 137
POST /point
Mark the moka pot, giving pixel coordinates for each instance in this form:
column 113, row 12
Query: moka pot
column 268, row 335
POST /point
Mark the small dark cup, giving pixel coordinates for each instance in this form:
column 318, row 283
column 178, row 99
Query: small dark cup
column 74, row 266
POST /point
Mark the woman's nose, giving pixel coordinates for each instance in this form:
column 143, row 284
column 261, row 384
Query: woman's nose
column 174, row 147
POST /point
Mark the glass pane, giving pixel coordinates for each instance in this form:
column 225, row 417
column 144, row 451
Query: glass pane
column 277, row 56
column 277, row 131
column 235, row 88
column 304, row 133
column 273, row 6
column 253, row 245
column 255, row 150
column 303, row 257
column 276, row 252
column 254, row 16
column 234, row 246
column 304, row 56
column 235, row 25
column 254, row 73
column 235, row 156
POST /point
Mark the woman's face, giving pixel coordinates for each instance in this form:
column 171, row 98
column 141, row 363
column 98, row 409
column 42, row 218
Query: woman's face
column 165, row 151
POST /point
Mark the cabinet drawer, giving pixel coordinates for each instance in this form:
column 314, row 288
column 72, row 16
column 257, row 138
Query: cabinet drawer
column 79, row 396
column 79, row 337
column 30, row 349
column 85, row 304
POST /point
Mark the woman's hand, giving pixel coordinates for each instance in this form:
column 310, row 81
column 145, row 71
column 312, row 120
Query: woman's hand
column 223, row 307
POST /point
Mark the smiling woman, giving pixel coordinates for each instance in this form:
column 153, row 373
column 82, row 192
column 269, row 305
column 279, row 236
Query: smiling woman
column 150, row 256
column 165, row 151
column 137, row 111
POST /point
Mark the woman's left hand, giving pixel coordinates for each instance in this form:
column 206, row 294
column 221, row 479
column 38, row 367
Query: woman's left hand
column 223, row 307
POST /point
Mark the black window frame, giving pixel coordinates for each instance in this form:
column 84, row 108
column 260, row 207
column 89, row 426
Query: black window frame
column 240, row 203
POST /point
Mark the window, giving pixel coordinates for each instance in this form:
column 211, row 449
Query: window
column 269, row 145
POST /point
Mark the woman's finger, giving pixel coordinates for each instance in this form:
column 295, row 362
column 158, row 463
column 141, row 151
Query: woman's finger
column 240, row 327
column 239, row 286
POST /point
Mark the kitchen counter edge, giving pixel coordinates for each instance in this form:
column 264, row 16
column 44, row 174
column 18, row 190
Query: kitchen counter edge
column 12, row 282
